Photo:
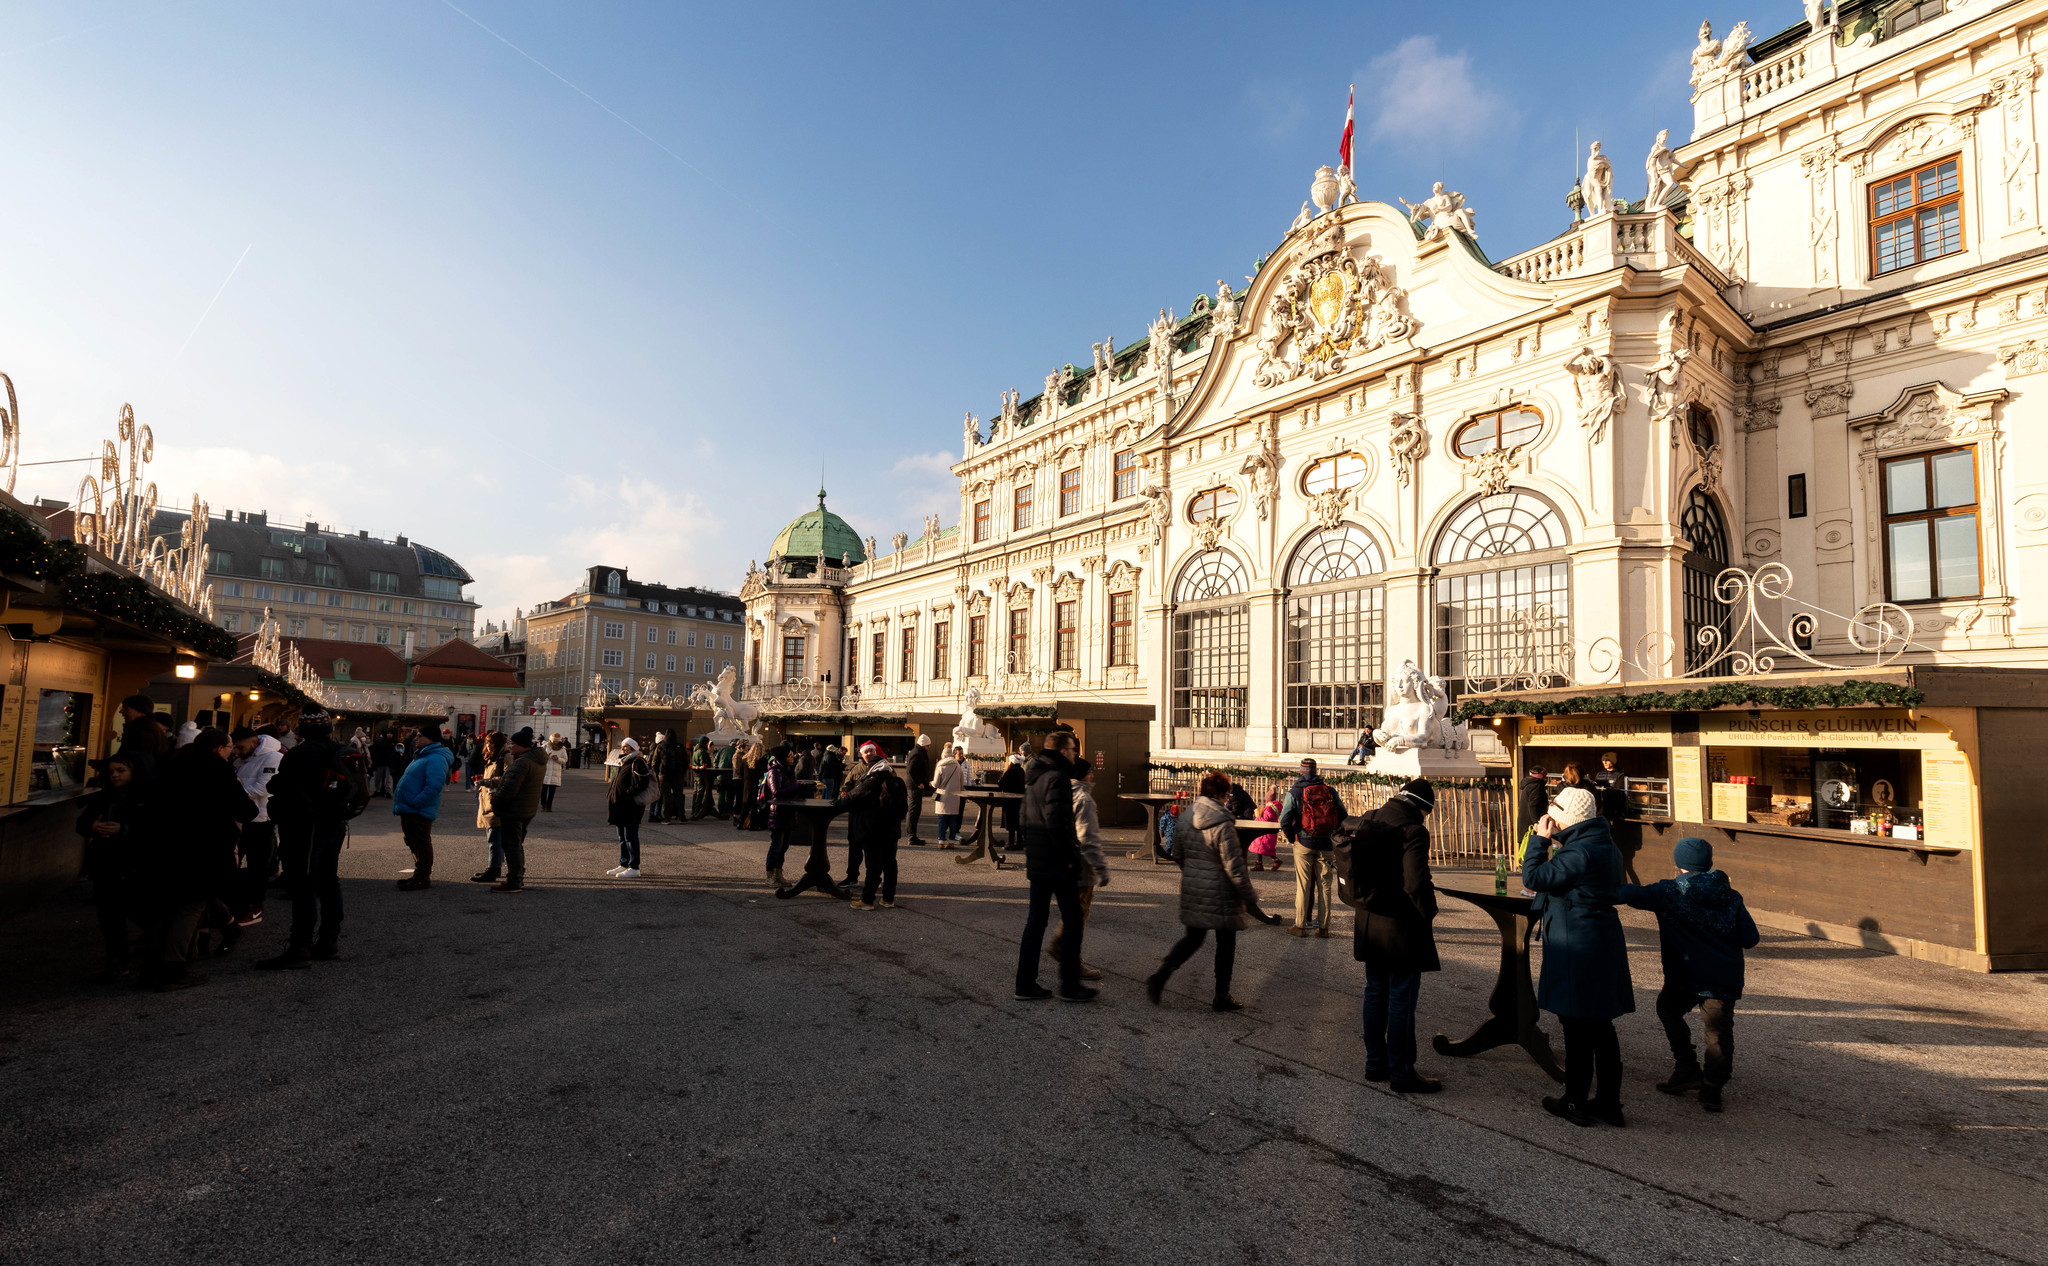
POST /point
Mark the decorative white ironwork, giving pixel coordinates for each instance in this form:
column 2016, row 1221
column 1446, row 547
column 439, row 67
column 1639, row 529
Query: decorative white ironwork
column 123, row 505
column 1537, row 654
column 806, row 694
column 273, row 656
column 10, row 434
column 1882, row 630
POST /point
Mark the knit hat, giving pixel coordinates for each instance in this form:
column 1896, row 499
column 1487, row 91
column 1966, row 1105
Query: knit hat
column 1693, row 853
column 924, row 740
column 1572, row 806
column 1420, row 793
column 523, row 736
column 630, row 745
column 1308, row 765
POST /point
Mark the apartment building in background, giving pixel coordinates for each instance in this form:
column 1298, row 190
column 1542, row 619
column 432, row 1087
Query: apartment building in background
column 627, row 631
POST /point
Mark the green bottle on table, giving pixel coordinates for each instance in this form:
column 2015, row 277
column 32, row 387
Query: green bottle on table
column 1500, row 874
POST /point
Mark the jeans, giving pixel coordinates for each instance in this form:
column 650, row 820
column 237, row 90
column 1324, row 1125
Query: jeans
column 779, row 841
column 1045, row 889
column 1087, row 901
column 312, row 875
column 881, row 869
column 855, row 850
column 1390, row 1020
column 1717, row 1020
column 700, row 804
column 547, row 796
column 1313, row 880
column 828, row 788
column 497, row 862
column 1591, row 1045
column 419, row 837
column 916, row 813
column 629, row 845
column 1190, row 941
column 949, row 828
column 512, row 840
column 259, row 849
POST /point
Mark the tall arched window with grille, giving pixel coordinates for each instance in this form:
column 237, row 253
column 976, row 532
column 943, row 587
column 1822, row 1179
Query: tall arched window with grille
column 1212, row 653
column 1503, row 593
column 1706, row 532
column 1336, row 639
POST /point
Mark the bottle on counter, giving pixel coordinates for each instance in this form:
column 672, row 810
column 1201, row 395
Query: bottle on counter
column 1500, row 874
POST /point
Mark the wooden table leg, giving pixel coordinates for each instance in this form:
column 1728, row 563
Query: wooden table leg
column 1514, row 1019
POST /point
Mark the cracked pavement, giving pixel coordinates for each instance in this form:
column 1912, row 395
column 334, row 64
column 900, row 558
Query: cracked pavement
column 682, row 1068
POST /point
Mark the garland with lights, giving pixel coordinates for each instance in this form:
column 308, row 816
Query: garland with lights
column 1847, row 694
column 1334, row 778
column 61, row 567
column 271, row 684
column 1005, row 711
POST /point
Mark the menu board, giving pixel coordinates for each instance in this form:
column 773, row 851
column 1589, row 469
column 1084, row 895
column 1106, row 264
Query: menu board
column 1686, row 805
column 1731, row 802
column 1947, row 800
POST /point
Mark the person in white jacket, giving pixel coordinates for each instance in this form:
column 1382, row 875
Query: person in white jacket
column 949, row 779
column 256, row 757
column 1088, row 834
column 551, row 778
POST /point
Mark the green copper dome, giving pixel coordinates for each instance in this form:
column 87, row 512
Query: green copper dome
column 816, row 532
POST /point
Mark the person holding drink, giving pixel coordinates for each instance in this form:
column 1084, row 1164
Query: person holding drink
column 1572, row 863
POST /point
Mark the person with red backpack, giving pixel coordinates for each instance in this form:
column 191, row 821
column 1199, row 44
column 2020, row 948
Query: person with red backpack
column 318, row 787
column 1308, row 817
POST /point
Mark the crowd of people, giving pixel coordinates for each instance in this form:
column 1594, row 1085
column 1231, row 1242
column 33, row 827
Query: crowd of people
column 186, row 833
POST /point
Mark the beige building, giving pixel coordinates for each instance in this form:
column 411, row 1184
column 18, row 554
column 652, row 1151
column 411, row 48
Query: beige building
column 625, row 632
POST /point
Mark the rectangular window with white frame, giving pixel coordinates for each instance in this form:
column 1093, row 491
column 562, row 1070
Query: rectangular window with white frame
column 614, row 630
column 613, row 659
column 1931, row 538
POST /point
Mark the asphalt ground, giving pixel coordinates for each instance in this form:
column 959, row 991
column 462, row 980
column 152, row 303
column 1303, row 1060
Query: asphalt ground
column 682, row 1068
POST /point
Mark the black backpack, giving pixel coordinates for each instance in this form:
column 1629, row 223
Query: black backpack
column 1353, row 838
column 345, row 785
column 892, row 803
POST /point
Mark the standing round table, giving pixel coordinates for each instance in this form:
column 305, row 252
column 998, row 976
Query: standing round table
column 985, row 800
column 1153, row 801
column 817, row 817
column 1513, row 1001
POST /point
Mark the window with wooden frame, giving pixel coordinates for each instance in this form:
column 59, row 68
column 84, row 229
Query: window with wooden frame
column 1126, row 474
column 1063, row 646
column 1510, row 428
column 792, row 659
column 982, row 516
column 907, row 669
column 1916, row 216
column 875, row 668
column 977, row 646
column 942, row 650
column 1070, row 491
column 1020, row 640
column 1120, row 647
column 1020, row 507
column 1931, row 548
column 1217, row 503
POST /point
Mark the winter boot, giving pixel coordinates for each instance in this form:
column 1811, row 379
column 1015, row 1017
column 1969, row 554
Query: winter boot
column 1710, row 1098
column 1683, row 1077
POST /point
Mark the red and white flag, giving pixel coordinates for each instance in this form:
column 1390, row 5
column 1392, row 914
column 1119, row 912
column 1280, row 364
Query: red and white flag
column 1344, row 146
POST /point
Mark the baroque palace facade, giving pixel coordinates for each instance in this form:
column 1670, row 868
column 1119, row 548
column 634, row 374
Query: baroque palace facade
column 1805, row 338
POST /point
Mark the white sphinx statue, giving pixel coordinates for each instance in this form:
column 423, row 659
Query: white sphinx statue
column 973, row 735
column 1415, row 734
column 730, row 718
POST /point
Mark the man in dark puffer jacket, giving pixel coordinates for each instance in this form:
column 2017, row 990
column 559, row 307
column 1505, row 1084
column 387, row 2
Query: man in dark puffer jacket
column 1052, row 862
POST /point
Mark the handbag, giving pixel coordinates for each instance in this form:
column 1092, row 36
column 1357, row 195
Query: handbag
column 650, row 791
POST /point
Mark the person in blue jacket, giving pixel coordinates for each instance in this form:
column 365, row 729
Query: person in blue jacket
column 1572, row 863
column 417, row 802
column 1704, row 927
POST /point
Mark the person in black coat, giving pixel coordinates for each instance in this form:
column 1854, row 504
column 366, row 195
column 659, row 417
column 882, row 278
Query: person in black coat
column 1013, row 779
column 917, row 781
column 1572, row 861
column 874, row 822
column 143, row 740
column 1393, row 938
column 199, row 807
column 1053, row 864
column 114, row 822
column 306, row 797
column 1532, row 801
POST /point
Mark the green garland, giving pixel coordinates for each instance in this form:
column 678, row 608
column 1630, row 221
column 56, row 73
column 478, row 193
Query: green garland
column 60, row 565
column 25, row 551
column 271, row 684
column 1348, row 777
column 1847, row 694
column 843, row 719
column 1017, row 710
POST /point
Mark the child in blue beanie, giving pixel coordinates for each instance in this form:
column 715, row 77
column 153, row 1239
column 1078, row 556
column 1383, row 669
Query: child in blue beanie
column 1704, row 927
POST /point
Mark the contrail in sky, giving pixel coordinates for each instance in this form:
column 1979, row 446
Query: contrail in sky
column 216, row 299
column 594, row 101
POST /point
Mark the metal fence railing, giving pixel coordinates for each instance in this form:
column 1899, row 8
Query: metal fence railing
column 1471, row 824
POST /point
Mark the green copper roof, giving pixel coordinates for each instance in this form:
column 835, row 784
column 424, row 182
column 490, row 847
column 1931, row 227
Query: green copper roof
column 816, row 532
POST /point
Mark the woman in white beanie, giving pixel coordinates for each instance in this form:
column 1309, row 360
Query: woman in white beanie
column 1572, row 861
column 625, row 809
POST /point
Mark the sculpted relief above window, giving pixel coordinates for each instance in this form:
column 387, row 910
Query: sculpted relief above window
column 1329, row 307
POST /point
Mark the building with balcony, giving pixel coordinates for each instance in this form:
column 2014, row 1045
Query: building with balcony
column 624, row 633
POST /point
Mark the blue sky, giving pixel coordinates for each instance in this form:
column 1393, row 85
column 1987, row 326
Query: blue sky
column 623, row 308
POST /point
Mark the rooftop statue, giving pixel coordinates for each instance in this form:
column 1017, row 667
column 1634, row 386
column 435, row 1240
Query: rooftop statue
column 1444, row 211
column 1662, row 169
column 1599, row 183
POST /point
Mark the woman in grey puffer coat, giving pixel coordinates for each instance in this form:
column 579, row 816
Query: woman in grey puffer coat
column 1215, row 889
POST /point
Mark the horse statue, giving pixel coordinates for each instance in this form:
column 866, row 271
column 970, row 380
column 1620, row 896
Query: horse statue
column 973, row 735
column 730, row 718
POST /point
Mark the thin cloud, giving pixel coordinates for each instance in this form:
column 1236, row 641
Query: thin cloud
column 934, row 465
column 1428, row 99
column 1279, row 108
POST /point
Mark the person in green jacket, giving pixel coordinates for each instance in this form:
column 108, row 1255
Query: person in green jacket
column 721, row 764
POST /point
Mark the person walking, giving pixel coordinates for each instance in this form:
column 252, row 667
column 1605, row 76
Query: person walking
column 948, row 781
column 515, row 799
column 1052, row 865
column 703, row 774
column 307, row 797
column 625, row 807
column 780, row 784
column 417, row 802
column 1703, row 927
column 199, row 806
column 876, row 804
column 1094, row 871
column 1571, row 860
column 1396, row 900
column 557, row 758
column 1216, row 892
column 116, row 825
column 1308, row 816
column 917, row 780
column 256, row 760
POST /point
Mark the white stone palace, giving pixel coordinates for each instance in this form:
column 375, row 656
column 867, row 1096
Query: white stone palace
column 1803, row 337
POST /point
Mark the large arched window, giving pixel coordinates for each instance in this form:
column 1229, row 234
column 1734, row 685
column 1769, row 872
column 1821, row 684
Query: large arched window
column 1503, row 594
column 1701, row 524
column 1212, row 653
column 1336, row 639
